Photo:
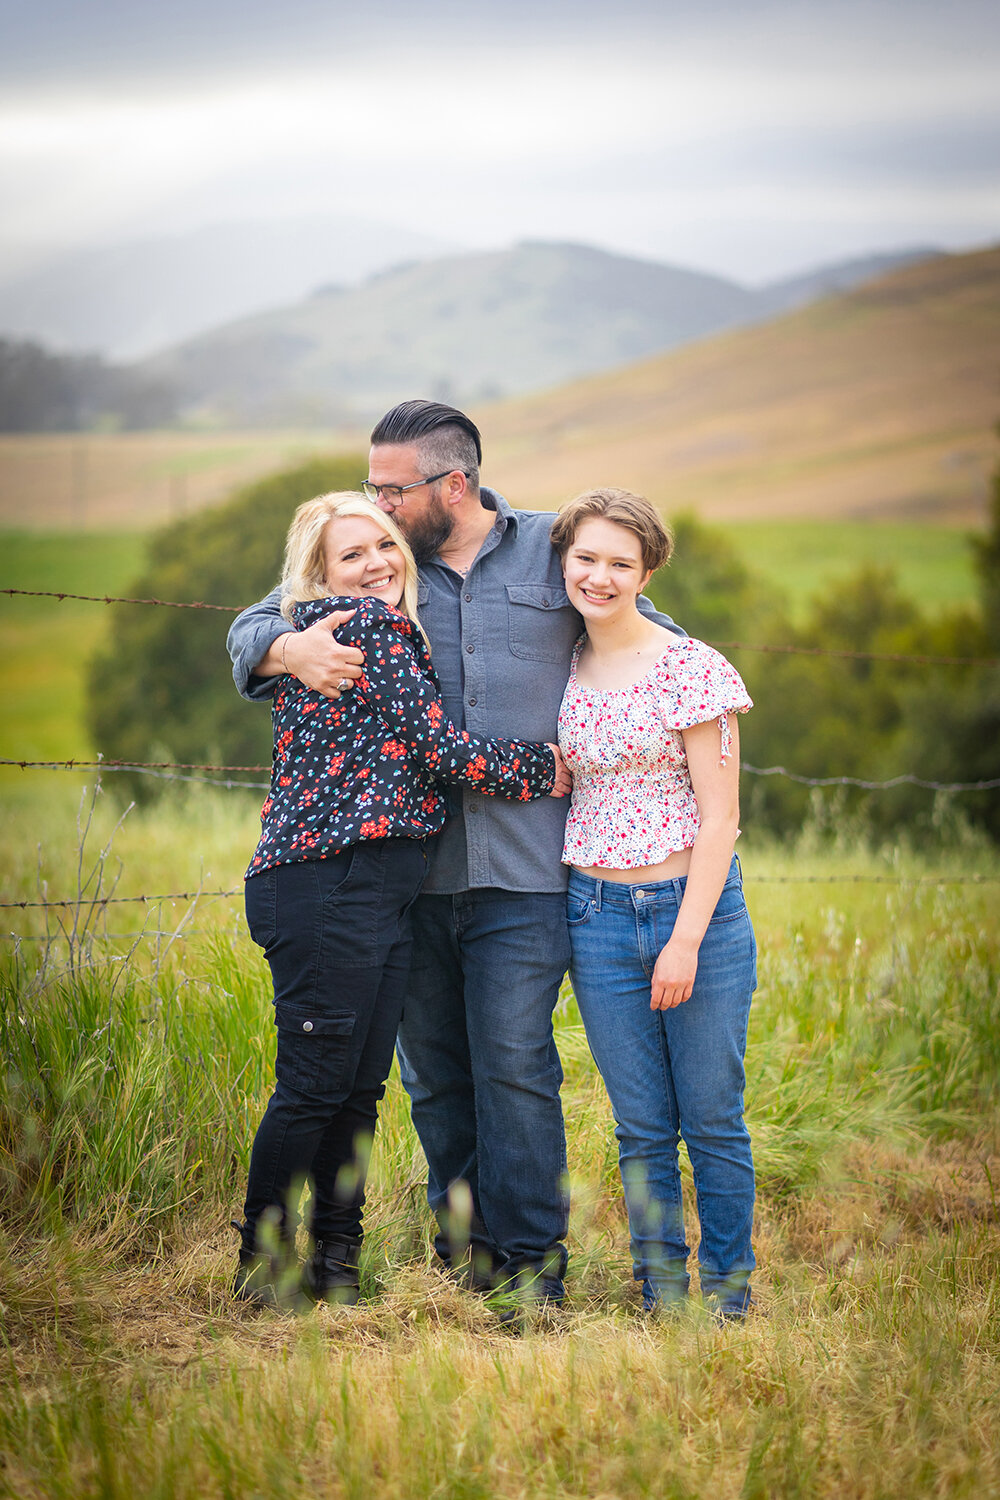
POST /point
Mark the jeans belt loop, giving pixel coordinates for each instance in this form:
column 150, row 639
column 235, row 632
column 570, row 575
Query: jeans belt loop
column 598, row 887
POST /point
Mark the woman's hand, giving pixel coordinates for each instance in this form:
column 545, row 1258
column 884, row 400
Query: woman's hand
column 673, row 974
column 564, row 781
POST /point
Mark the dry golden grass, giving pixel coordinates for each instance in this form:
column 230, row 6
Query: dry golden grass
column 135, row 480
column 871, row 1372
column 879, row 403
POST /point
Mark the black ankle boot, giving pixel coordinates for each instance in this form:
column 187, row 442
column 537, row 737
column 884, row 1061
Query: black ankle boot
column 331, row 1272
column 266, row 1277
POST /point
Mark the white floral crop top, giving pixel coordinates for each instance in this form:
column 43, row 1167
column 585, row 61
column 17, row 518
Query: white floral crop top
column 633, row 803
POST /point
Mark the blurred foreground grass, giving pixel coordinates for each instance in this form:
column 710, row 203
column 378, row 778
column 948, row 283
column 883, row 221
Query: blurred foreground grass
column 135, row 1071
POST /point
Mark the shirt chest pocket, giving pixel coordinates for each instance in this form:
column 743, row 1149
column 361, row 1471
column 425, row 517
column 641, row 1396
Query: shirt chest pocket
column 542, row 623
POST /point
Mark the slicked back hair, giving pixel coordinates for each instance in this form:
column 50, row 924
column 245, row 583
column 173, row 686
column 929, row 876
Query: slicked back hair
column 445, row 438
column 634, row 512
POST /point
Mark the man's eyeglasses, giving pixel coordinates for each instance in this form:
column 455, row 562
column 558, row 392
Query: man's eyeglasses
column 394, row 492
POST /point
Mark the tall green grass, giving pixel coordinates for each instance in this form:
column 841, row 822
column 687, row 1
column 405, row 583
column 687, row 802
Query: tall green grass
column 136, row 1066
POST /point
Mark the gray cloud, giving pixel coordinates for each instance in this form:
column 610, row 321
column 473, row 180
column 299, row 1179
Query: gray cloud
column 745, row 138
column 119, row 42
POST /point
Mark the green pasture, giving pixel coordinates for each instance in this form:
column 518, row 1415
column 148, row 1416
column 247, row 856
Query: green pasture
column 933, row 563
column 137, row 1045
column 49, row 641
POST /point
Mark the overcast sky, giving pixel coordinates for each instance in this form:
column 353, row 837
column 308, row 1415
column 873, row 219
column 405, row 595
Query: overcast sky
column 752, row 139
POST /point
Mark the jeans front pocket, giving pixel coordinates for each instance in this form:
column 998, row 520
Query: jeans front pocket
column 334, row 872
column 731, row 905
column 579, row 909
column 260, row 898
column 313, row 1051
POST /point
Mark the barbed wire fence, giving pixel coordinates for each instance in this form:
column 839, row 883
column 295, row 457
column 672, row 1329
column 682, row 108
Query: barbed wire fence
column 788, row 649
column 223, row 774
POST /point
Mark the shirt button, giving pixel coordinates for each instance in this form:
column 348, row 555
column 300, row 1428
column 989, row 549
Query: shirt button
column 473, row 702
column 545, row 604
column 470, row 649
column 307, row 1026
column 467, row 598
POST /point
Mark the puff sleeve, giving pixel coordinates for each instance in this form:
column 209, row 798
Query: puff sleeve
column 699, row 684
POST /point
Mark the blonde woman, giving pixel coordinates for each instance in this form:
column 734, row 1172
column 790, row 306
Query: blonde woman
column 663, row 955
column 354, row 794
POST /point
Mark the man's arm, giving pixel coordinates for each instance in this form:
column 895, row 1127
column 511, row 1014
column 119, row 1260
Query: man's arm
column 264, row 648
column 649, row 609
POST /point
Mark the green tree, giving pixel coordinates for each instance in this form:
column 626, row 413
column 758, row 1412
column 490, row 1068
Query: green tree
column 708, row 588
column 953, row 728
column 986, row 553
column 161, row 688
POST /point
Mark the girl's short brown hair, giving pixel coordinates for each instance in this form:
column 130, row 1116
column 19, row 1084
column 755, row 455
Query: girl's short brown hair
column 634, row 512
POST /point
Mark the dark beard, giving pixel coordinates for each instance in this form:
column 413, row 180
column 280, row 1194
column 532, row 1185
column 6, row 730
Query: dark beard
column 428, row 533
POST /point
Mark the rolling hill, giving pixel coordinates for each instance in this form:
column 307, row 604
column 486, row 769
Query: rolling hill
column 876, row 403
column 461, row 328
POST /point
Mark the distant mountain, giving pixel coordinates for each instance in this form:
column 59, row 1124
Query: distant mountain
column 876, row 403
column 463, row 328
column 126, row 301
column 839, row 276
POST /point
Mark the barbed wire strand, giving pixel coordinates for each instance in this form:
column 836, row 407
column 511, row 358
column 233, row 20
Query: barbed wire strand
column 111, row 937
column 164, row 768
column 790, row 650
column 749, row 879
column 92, row 901
column 229, row 609
column 128, row 765
column 847, row 655
column 906, row 779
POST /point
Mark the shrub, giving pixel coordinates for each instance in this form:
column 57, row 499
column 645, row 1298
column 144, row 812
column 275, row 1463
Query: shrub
column 161, row 689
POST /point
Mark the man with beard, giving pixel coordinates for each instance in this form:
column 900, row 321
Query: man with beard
column 476, row 1048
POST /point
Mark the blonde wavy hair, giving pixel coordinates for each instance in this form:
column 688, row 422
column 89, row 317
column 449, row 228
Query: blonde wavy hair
column 303, row 575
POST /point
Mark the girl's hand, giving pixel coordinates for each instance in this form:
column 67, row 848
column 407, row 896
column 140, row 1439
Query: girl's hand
column 673, row 974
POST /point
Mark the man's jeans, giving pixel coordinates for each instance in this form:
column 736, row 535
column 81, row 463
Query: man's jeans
column 336, row 934
column 479, row 1061
column 672, row 1073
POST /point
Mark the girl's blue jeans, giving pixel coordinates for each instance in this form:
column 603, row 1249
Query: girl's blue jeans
column 672, row 1074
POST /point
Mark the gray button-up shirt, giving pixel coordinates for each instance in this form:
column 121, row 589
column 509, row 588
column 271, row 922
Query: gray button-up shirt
column 502, row 638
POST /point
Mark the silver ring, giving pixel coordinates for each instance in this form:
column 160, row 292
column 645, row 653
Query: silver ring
column 344, row 684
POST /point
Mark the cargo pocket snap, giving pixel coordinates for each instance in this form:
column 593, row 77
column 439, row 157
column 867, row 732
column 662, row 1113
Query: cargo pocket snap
column 313, row 1050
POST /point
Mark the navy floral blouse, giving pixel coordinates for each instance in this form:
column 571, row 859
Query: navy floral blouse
column 367, row 765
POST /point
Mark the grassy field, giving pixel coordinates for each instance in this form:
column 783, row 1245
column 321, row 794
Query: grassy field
column 110, row 481
column 49, row 641
column 933, row 563
column 136, row 1068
